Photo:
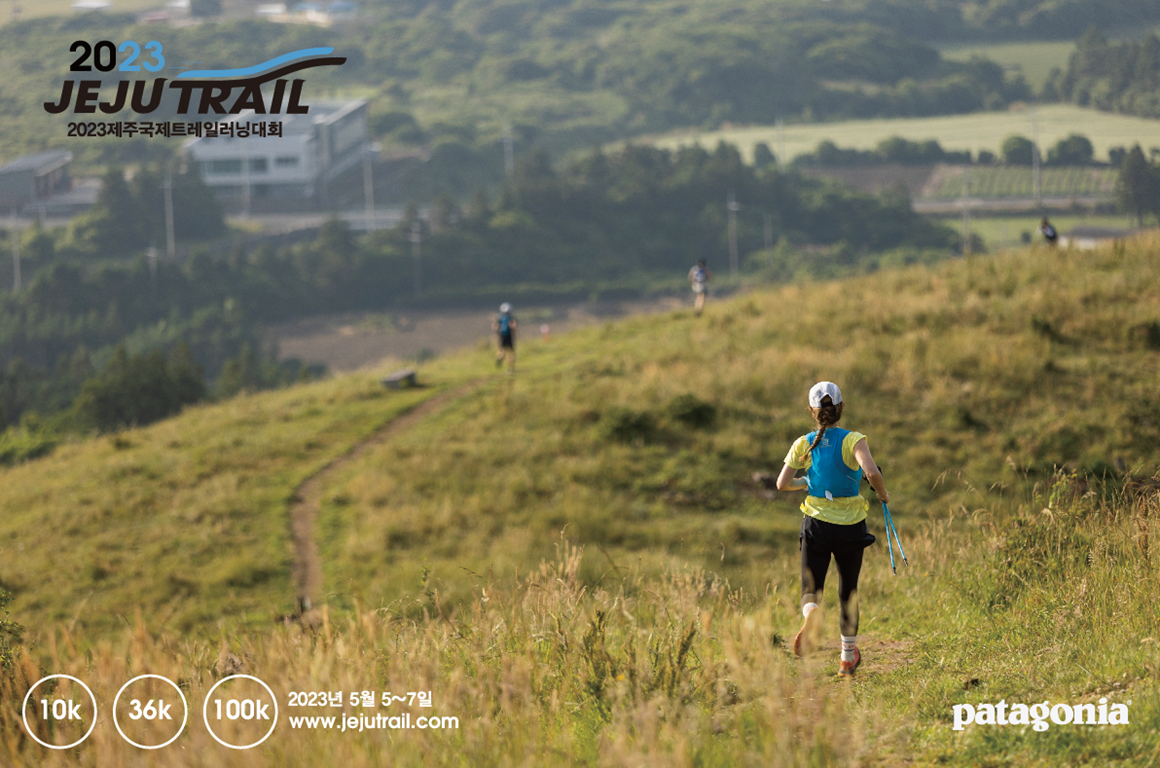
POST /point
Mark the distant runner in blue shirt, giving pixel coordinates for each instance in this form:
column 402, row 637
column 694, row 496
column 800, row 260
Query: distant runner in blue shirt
column 505, row 328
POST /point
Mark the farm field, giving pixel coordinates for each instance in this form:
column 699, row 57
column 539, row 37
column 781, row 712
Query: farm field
column 972, row 132
column 1002, row 182
column 1005, row 233
column 1034, row 59
column 35, row 8
column 577, row 561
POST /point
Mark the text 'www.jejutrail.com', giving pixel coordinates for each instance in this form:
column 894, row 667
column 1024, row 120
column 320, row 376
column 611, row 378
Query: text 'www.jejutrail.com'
column 374, row 722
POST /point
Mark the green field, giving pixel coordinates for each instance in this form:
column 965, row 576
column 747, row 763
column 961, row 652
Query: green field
column 30, row 9
column 1034, row 59
column 578, row 564
column 1006, row 232
column 993, row 183
column 954, row 132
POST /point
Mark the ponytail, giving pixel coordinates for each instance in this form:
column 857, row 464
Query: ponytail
column 826, row 416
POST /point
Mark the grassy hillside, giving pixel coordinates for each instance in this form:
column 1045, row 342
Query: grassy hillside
column 1051, row 605
column 640, row 436
column 997, row 392
column 983, row 130
column 185, row 520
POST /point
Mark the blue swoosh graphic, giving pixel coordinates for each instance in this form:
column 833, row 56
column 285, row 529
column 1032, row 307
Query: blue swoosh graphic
column 244, row 71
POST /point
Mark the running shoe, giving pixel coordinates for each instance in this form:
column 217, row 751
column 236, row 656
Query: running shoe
column 804, row 640
column 846, row 668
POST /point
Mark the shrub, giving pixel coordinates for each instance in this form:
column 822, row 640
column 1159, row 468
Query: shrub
column 692, row 411
column 625, row 425
column 10, row 633
column 139, row 389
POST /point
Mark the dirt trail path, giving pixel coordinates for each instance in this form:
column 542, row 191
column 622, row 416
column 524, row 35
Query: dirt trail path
column 307, row 498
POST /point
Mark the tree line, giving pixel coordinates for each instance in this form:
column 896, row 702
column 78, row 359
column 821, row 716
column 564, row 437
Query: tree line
column 1138, row 186
column 1074, row 149
column 1123, row 77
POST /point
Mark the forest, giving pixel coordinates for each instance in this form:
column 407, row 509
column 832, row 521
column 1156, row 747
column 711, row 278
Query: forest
column 1115, row 77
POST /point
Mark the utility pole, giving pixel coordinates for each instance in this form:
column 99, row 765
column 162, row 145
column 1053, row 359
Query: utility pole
column 966, row 212
column 416, row 239
column 15, row 254
column 1035, row 157
column 782, row 160
column 733, row 206
column 170, row 244
column 151, row 254
column 369, row 186
column 768, row 232
column 509, row 161
column 245, row 183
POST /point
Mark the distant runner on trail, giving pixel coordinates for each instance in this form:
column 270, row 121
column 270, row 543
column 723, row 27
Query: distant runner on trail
column 835, row 516
column 505, row 327
column 698, row 276
column 1048, row 231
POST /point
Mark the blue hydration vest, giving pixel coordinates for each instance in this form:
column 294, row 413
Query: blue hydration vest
column 827, row 471
column 505, row 327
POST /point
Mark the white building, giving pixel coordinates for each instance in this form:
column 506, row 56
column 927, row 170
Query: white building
column 321, row 14
column 290, row 172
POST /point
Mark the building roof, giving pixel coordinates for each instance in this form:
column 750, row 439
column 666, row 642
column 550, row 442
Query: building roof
column 40, row 163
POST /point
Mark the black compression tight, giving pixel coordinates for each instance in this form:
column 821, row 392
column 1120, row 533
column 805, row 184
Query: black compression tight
column 815, row 563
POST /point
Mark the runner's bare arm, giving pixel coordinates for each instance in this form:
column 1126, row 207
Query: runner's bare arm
column 787, row 482
column 873, row 474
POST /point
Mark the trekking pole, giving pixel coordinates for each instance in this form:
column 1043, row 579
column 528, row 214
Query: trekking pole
column 890, row 549
column 898, row 541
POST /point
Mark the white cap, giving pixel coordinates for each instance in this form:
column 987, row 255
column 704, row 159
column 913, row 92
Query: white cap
column 505, row 307
column 821, row 389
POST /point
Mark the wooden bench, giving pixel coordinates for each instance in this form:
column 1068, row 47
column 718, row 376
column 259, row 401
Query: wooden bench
column 399, row 379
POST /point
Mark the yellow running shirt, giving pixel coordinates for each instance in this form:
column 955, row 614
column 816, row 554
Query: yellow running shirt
column 843, row 510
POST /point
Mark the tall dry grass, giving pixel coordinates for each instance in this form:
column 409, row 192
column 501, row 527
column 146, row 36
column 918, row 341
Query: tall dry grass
column 683, row 671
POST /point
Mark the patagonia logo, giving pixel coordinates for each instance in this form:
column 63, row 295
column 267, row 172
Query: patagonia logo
column 1038, row 716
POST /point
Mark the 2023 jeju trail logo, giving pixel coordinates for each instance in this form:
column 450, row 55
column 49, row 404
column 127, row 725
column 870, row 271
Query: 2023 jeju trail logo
column 215, row 88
